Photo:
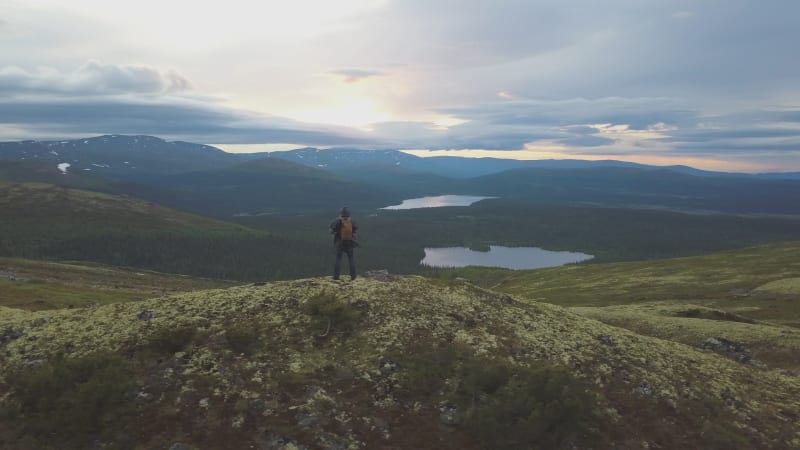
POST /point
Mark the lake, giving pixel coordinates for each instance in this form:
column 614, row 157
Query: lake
column 438, row 201
column 506, row 257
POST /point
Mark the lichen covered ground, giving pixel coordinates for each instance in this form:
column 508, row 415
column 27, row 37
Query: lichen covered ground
column 377, row 364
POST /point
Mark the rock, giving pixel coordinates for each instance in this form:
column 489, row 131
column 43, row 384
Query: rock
column 728, row 348
column 34, row 362
column 146, row 315
column 608, row 340
column 645, row 389
column 9, row 335
column 179, row 446
column 11, row 276
column 307, row 421
column 449, row 413
column 387, row 366
column 731, row 401
column 330, row 441
column 275, row 441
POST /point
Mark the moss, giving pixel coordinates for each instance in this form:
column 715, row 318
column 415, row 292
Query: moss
column 449, row 341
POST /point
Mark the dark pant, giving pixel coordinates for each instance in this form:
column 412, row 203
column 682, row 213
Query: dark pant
column 344, row 247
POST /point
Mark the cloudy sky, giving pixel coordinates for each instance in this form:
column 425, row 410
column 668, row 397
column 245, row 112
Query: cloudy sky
column 709, row 83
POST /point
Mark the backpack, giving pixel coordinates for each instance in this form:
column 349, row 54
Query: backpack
column 346, row 229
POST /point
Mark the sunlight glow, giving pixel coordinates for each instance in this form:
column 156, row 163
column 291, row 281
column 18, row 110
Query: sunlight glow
column 356, row 112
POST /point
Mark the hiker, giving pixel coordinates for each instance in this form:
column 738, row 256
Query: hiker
column 344, row 235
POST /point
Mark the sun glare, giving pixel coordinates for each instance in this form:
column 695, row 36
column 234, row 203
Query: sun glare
column 357, row 112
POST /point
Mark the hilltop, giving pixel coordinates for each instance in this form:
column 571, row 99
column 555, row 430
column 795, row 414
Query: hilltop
column 389, row 362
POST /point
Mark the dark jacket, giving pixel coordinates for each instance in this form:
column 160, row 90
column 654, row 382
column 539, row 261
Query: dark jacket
column 336, row 225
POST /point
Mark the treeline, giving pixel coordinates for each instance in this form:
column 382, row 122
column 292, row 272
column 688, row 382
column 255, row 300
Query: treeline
column 237, row 257
column 395, row 239
column 291, row 247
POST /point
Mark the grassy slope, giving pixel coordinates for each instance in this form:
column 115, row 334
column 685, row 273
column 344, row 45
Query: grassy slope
column 30, row 207
column 43, row 221
column 685, row 299
column 369, row 364
column 35, row 285
column 719, row 276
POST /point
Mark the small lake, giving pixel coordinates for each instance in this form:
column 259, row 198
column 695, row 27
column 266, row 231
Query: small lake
column 438, row 201
column 506, row 257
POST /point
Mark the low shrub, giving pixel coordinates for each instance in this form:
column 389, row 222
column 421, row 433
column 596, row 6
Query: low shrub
column 501, row 404
column 71, row 399
column 330, row 314
column 512, row 407
column 243, row 337
column 169, row 340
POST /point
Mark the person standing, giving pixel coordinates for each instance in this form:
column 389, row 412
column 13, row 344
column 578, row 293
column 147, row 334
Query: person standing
column 344, row 229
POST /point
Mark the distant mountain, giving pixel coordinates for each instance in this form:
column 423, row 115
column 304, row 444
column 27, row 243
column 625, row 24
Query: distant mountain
column 136, row 157
column 121, row 157
column 636, row 187
column 779, row 176
column 339, row 160
column 205, row 179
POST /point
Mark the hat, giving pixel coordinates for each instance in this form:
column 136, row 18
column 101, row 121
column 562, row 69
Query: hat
column 344, row 212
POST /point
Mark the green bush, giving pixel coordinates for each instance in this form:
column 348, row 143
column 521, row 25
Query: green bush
column 502, row 405
column 71, row 399
column 424, row 372
column 330, row 314
column 169, row 339
column 512, row 407
column 716, row 436
column 243, row 337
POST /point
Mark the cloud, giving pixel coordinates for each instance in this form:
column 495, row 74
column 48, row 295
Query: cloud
column 92, row 78
column 355, row 75
column 619, row 77
column 174, row 118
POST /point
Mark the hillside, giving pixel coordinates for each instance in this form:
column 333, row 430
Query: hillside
column 43, row 221
column 36, row 285
column 265, row 186
column 379, row 363
column 46, row 173
column 742, row 303
column 62, row 210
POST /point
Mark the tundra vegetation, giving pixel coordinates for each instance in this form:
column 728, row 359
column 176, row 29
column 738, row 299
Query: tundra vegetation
column 395, row 362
